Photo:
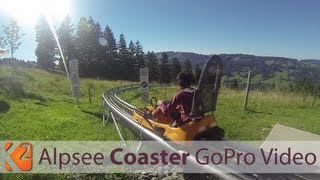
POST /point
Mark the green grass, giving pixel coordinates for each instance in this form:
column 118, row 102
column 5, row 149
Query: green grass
column 265, row 110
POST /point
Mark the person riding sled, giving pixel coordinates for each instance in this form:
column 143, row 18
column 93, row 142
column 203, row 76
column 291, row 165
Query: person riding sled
column 179, row 107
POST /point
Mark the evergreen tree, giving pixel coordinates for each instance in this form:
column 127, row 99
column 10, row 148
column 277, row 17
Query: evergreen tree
column 95, row 66
column 175, row 68
column 111, row 41
column 187, row 66
column 81, row 45
column 197, row 73
column 153, row 66
column 89, row 51
column 46, row 44
column 12, row 36
column 140, row 58
column 164, row 69
column 139, row 55
column 120, row 65
column 122, row 45
column 131, row 63
column 66, row 37
column 111, row 50
column 99, row 64
column 132, row 49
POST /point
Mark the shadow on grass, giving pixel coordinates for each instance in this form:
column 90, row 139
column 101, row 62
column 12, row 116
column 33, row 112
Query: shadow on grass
column 253, row 111
column 35, row 97
column 4, row 106
column 13, row 89
column 41, row 103
column 96, row 114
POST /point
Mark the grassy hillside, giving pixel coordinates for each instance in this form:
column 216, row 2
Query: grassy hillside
column 265, row 71
column 37, row 105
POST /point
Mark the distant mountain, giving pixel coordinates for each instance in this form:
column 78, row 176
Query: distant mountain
column 265, row 70
column 311, row 61
column 183, row 56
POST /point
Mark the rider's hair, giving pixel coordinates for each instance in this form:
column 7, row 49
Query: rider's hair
column 185, row 79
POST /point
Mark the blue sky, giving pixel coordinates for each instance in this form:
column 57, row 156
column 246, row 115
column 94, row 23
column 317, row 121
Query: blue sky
column 287, row 28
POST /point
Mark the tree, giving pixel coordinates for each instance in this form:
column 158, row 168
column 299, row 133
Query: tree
column 89, row 51
column 164, row 70
column 132, row 49
column 95, row 49
column 111, row 41
column 139, row 54
column 140, row 61
column 175, row 68
column 46, row 44
column 97, row 68
column 66, row 37
column 81, row 47
column 123, row 58
column 12, row 36
column 111, row 50
column 187, row 66
column 153, row 66
column 131, row 62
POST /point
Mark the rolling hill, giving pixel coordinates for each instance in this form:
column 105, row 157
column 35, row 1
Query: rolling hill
column 265, row 70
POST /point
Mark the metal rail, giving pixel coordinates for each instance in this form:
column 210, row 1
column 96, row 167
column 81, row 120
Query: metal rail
column 124, row 111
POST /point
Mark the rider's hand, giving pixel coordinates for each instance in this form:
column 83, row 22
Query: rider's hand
column 159, row 103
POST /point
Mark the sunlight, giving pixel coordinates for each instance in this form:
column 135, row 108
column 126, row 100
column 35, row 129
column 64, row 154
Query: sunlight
column 28, row 11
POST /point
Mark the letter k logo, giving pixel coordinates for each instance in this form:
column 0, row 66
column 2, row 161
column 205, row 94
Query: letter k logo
column 21, row 156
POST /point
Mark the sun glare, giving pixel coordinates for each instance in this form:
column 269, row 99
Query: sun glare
column 29, row 11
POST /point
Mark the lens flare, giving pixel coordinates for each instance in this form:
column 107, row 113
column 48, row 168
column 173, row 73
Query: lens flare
column 28, row 11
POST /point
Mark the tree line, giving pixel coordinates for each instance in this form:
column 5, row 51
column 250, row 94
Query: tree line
column 100, row 54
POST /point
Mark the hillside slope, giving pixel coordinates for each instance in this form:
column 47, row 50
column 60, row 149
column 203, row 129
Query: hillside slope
column 265, row 70
column 37, row 105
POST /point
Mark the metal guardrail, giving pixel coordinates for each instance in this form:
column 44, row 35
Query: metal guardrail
column 124, row 111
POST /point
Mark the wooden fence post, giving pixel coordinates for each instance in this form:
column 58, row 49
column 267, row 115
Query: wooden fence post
column 314, row 95
column 247, row 91
column 90, row 101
